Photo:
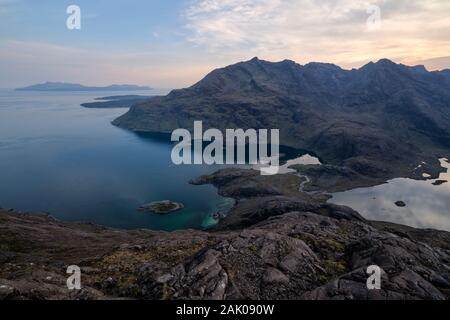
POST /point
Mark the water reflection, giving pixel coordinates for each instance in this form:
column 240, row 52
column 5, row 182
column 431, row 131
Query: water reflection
column 427, row 205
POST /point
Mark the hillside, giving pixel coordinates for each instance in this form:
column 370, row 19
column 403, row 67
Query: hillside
column 359, row 119
column 62, row 86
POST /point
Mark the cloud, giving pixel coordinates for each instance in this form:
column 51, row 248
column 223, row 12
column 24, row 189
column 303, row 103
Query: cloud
column 27, row 62
column 328, row 30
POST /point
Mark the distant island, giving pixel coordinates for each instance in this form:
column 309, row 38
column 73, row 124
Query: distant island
column 61, row 86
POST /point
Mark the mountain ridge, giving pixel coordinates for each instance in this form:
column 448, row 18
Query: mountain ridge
column 359, row 118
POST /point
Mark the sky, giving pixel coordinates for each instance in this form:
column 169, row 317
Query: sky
column 174, row 43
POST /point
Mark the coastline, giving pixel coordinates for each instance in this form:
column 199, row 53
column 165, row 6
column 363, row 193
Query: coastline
column 331, row 242
column 268, row 239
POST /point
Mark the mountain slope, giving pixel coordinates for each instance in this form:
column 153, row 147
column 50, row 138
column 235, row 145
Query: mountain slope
column 360, row 118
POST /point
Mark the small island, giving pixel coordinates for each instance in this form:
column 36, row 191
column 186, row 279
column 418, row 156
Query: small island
column 400, row 204
column 161, row 207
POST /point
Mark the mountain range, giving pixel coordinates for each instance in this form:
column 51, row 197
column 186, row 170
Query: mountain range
column 361, row 119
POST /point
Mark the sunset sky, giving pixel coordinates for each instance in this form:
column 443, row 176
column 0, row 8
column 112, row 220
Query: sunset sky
column 169, row 44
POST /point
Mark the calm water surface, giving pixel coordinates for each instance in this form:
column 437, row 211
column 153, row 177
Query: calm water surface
column 427, row 205
column 60, row 158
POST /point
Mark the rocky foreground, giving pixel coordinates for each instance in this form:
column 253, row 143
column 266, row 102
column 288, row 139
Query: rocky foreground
column 277, row 243
column 356, row 121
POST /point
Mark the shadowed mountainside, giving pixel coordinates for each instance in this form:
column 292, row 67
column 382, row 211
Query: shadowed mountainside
column 356, row 119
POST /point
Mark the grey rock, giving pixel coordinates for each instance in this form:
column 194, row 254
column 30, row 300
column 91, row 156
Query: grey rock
column 312, row 253
column 274, row 276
